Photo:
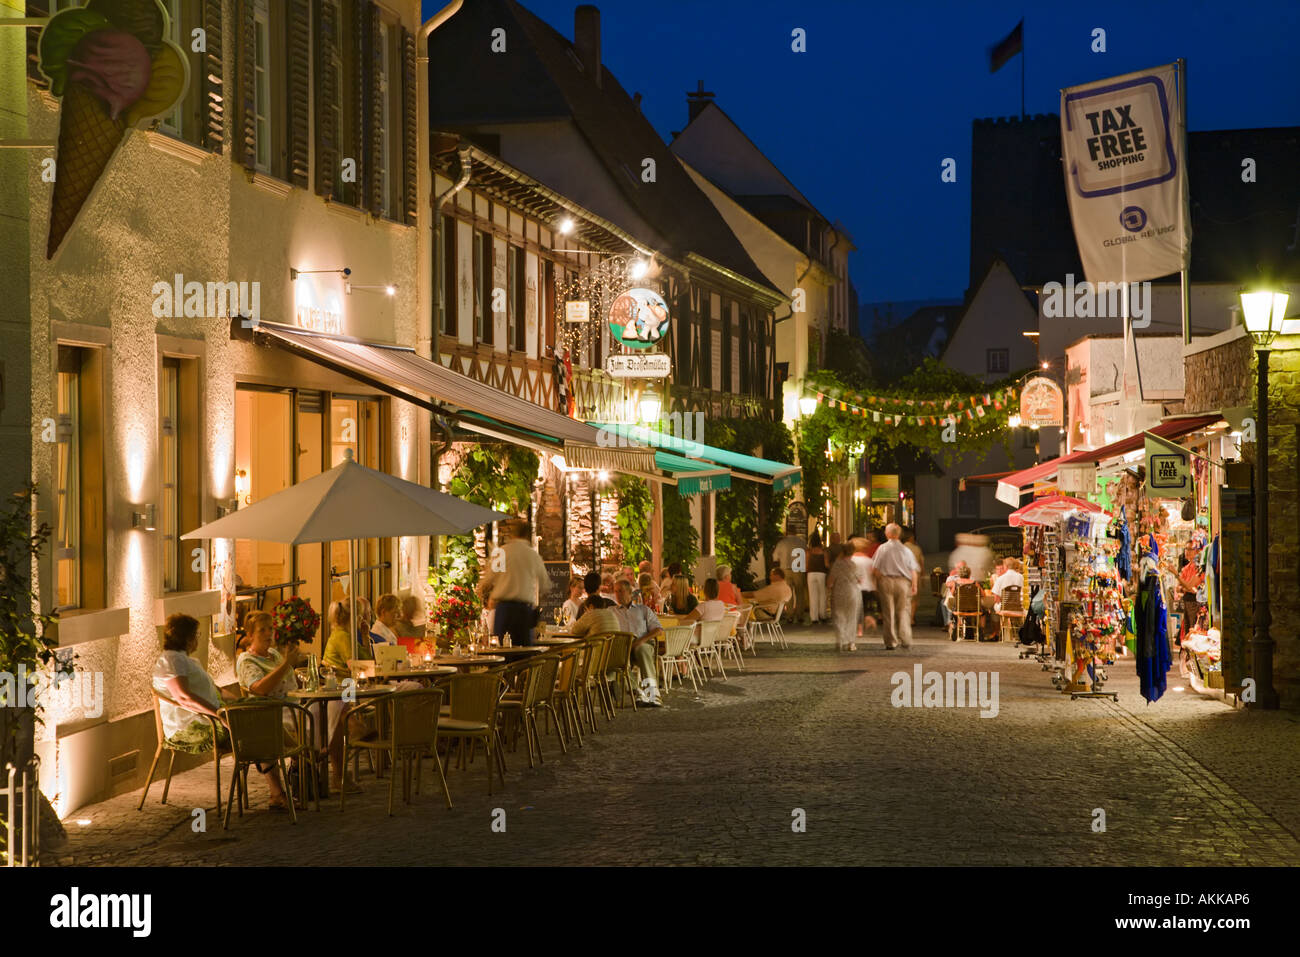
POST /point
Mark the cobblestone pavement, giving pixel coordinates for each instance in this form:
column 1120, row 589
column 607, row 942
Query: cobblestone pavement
column 716, row 778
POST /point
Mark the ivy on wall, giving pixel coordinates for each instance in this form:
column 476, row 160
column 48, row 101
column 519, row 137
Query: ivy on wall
column 494, row 476
column 681, row 538
column 749, row 514
column 634, row 513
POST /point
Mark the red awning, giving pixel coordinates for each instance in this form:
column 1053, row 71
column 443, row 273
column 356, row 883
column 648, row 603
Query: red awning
column 1012, row 486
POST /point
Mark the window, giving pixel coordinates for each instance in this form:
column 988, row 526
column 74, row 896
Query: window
column 79, row 480
column 355, row 426
column 185, row 121
column 262, row 86
column 548, row 284
column 483, row 316
column 968, row 500
column 178, row 462
column 999, row 360
column 447, row 280
column 517, row 282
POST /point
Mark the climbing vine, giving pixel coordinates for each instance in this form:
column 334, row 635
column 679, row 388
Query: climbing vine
column 681, row 538
column 494, row 476
column 749, row 514
column 634, row 513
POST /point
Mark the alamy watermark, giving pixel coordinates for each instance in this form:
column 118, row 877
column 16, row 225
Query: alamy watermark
column 67, row 690
column 950, row 689
column 213, row 300
column 1102, row 300
column 687, row 428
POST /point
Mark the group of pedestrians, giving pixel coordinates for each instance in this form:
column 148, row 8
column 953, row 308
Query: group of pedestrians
column 850, row 583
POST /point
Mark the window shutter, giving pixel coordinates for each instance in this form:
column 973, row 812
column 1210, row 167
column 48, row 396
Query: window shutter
column 372, row 65
column 410, row 130
column 36, row 8
column 245, row 51
column 214, row 107
column 327, row 97
column 296, row 119
column 356, row 64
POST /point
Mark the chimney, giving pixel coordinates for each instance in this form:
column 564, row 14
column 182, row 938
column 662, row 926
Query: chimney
column 586, row 39
column 697, row 100
column 636, row 101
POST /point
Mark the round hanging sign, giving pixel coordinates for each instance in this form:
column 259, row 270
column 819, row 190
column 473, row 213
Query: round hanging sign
column 638, row 318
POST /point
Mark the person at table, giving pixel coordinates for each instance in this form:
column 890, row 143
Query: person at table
column 190, row 692
column 988, row 622
column 844, row 594
column 680, row 601
column 644, row 624
column 516, row 581
column 957, row 576
column 711, row 609
column 728, row 593
column 592, row 583
column 384, row 631
column 338, row 646
column 1010, row 578
column 645, row 568
column 572, row 607
column 405, row 626
column 598, row 618
column 766, row 599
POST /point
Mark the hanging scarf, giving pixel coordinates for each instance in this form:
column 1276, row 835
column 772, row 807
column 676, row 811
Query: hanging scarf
column 1124, row 561
column 1153, row 658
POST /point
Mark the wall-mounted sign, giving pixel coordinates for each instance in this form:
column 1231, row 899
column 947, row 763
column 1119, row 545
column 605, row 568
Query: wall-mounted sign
column 577, row 310
column 655, row 365
column 1041, row 403
column 316, row 308
column 1077, row 479
column 638, row 318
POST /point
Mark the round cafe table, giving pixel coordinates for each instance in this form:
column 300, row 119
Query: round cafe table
column 325, row 695
column 467, row 662
column 556, row 639
column 518, row 651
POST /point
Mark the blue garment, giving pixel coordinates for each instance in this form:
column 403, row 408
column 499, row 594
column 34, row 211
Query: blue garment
column 1153, row 659
column 1124, row 561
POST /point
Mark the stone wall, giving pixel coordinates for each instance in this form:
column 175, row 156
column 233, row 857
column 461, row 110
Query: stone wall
column 1225, row 377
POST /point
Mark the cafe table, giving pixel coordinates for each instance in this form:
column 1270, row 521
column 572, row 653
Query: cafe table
column 324, row 696
column 556, row 639
column 512, row 652
column 424, row 671
column 466, row 663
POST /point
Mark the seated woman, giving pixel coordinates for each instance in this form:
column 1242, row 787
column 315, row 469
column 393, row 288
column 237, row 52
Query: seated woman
column 680, row 601
column 338, row 646
column 383, row 630
column 711, row 609
column 572, row 607
column 190, row 692
column 406, row 626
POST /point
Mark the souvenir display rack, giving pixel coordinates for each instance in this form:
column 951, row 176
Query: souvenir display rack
column 1094, row 631
column 1042, row 556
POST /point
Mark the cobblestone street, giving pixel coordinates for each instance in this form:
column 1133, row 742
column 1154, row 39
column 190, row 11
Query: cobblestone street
column 716, row 779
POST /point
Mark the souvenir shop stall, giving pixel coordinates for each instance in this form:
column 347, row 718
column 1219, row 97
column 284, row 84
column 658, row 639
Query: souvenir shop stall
column 1071, row 551
column 1185, row 545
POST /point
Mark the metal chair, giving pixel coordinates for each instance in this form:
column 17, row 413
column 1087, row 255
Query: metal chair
column 729, row 641
column 706, row 652
column 410, row 733
column 620, row 663
column 596, row 687
column 217, row 752
column 1011, row 613
column 771, row 627
column 258, row 736
column 677, row 653
column 473, row 718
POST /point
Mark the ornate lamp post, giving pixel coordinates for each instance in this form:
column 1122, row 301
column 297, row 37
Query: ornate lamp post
column 1262, row 313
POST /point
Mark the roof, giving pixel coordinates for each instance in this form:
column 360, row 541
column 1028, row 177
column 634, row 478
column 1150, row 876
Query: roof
column 470, row 87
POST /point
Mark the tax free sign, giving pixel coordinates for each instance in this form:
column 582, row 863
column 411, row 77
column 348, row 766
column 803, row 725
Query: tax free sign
column 1126, row 175
column 1169, row 468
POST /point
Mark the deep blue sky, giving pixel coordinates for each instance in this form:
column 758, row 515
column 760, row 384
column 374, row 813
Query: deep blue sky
column 861, row 122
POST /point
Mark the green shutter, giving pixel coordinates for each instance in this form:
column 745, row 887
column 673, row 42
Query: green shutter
column 297, row 126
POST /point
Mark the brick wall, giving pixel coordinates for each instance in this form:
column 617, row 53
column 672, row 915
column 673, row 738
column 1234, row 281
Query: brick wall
column 1226, row 377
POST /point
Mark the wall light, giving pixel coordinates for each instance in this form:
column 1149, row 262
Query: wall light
column 807, row 406
column 860, row 494
column 295, row 273
column 649, row 407
column 242, row 486
column 603, row 475
column 566, row 226
column 1013, row 421
column 637, row 268
column 146, row 520
column 389, row 288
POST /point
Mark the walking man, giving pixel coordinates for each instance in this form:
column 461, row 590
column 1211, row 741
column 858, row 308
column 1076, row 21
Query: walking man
column 516, row 581
column 897, row 574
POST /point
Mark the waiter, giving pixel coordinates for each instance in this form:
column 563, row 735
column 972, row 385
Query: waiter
column 516, row 581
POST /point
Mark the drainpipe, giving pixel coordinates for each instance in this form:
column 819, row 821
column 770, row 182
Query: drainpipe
column 463, row 156
column 438, row 452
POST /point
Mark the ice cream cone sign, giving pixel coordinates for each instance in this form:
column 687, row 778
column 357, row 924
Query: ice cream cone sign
column 110, row 63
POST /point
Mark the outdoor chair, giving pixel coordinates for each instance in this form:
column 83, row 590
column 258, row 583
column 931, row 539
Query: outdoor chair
column 620, row 665
column 597, row 687
column 409, row 723
column 1011, row 613
column 677, row 655
column 217, row 752
column 742, row 627
column 572, row 668
column 546, row 699
column 729, row 641
column 706, row 652
column 771, row 627
column 968, row 610
column 473, row 718
column 258, row 736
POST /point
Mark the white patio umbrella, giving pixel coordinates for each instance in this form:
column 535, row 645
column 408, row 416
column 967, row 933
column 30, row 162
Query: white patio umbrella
column 349, row 502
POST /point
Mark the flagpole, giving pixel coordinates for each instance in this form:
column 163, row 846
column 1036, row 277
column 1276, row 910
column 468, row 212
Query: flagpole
column 1022, row 68
column 1183, row 276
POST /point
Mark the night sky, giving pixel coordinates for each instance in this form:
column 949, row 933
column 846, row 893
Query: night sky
column 862, row 121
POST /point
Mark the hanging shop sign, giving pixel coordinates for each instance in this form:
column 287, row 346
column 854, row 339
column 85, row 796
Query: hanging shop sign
column 317, row 307
column 1077, row 479
column 1169, row 471
column 638, row 318
column 577, row 310
column 654, row 365
column 1041, row 403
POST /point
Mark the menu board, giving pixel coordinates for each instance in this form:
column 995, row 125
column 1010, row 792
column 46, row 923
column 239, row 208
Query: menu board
column 559, row 573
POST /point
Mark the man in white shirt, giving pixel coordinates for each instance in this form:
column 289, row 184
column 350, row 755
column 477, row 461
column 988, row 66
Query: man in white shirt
column 1012, row 577
column 896, row 574
column 516, row 580
column 642, row 622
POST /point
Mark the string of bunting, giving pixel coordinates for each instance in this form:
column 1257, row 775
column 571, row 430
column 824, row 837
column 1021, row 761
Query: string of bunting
column 892, row 410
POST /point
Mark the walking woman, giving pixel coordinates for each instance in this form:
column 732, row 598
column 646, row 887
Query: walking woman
column 845, row 601
column 816, row 579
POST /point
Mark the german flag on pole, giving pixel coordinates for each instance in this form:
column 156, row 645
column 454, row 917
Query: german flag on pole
column 1009, row 46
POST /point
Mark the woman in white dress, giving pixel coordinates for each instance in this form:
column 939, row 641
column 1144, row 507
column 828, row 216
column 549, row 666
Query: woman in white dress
column 845, row 601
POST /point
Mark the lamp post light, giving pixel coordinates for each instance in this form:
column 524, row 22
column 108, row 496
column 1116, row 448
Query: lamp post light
column 649, row 407
column 1262, row 314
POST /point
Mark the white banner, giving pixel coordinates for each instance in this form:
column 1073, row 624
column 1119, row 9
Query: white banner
column 1126, row 175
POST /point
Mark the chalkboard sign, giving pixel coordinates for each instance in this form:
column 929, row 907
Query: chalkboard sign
column 796, row 520
column 560, row 573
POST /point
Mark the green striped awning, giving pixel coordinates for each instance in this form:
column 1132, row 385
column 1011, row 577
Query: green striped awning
column 693, row 478
column 777, row 474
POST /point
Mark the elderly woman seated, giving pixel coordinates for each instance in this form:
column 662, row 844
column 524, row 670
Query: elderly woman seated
column 187, row 691
column 267, row 672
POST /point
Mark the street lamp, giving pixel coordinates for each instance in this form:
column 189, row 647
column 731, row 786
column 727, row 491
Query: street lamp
column 649, row 407
column 807, row 406
column 1262, row 314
